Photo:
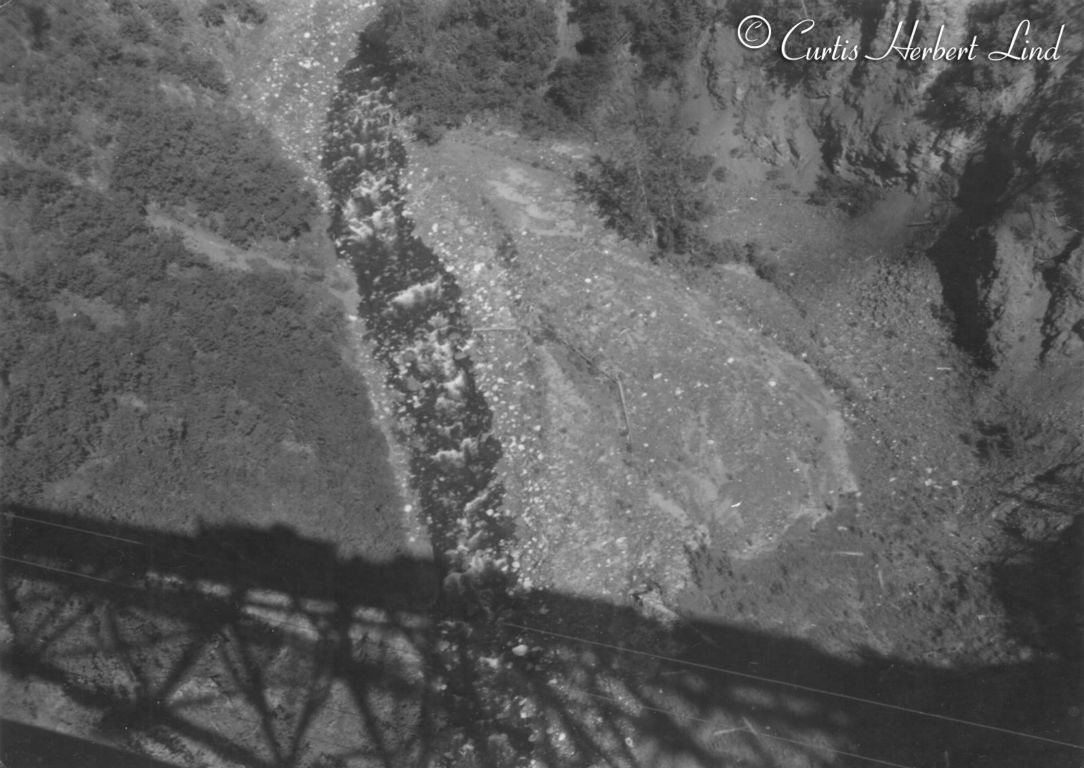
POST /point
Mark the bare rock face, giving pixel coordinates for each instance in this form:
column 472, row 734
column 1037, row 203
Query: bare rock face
column 1064, row 321
column 1002, row 152
column 997, row 146
column 1035, row 289
column 860, row 120
column 639, row 416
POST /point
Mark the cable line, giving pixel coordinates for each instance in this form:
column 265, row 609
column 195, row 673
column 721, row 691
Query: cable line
column 795, row 686
column 749, row 729
column 573, row 638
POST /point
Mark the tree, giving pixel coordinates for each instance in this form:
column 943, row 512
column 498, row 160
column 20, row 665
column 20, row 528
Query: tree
column 650, row 191
column 463, row 57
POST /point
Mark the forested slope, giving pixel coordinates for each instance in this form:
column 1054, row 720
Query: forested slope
column 140, row 380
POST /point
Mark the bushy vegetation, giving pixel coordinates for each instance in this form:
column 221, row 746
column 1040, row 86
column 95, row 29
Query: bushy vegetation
column 652, row 191
column 575, row 85
column 226, row 365
column 851, row 197
column 78, row 61
column 465, row 57
column 132, row 368
column 450, row 60
column 662, row 33
column 645, row 183
column 90, row 102
column 176, row 154
column 462, row 57
column 215, row 12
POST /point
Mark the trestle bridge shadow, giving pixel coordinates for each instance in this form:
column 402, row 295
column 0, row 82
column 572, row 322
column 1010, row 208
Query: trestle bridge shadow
column 258, row 648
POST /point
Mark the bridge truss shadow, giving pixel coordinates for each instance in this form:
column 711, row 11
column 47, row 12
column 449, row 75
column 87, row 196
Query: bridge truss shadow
column 258, row 648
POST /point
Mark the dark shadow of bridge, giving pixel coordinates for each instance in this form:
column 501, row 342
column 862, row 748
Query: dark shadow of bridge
column 259, row 648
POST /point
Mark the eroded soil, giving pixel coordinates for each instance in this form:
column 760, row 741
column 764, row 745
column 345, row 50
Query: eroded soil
column 816, row 448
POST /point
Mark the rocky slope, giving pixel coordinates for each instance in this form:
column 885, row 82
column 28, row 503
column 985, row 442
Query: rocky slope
column 639, row 417
column 976, row 167
column 998, row 142
column 648, row 430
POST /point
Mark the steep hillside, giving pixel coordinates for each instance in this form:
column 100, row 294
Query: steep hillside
column 176, row 360
column 509, row 382
column 777, row 409
column 992, row 148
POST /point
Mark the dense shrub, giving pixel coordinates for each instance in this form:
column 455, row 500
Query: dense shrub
column 215, row 12
column 195, row 70
column 165, row 15
column 227, row 364
column 604, row 25
column 176, row 154
column 662, row 33
column 224, row 362
column 183, row 382
column 852, row 197
column 464, row 57
column 88, row 70
column 90, row 243
column 453, row 59
column 651, row 193
column 575, row 84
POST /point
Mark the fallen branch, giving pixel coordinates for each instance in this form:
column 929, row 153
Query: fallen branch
column 576, row 349
column 601, row 370
column 624, row 411
column 752, row 730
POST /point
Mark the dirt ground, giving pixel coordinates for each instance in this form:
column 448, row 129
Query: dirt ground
column 908, row 557
column 898, row 384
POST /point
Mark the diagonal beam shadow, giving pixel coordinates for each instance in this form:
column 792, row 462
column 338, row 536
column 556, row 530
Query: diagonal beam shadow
column 369, row 651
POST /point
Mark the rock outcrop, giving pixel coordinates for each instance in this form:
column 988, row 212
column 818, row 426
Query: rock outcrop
column 998, row 141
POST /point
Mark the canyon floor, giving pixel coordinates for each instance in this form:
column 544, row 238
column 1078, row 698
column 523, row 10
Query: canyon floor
column 767, row 512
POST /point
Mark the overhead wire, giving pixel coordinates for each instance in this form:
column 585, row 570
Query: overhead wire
column 760, row 734
column 252, row 722
column 240, row 568
column 255, row 724
column 263, row 617
column 573, row 638
column 147, row 589
column 794, row 686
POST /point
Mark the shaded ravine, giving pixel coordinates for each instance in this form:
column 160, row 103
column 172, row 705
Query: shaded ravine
column 414, row 318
